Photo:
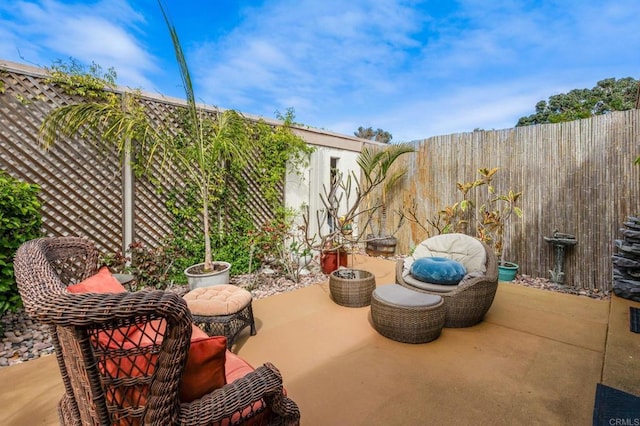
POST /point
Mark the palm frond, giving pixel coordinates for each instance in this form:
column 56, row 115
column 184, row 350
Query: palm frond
column 394, row 178
column 391, row 154
column 185, row 75
column 369, row 161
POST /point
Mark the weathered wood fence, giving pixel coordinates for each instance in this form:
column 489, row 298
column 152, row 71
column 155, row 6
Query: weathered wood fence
column 577, row 177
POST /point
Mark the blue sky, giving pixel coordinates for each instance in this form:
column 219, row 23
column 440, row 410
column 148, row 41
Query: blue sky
column 414, row 68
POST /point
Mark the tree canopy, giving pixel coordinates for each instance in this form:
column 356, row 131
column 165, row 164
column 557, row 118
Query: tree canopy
column 374, row 135
column 608, row 95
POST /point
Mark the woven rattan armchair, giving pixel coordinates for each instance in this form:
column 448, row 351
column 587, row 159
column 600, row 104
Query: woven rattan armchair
column 43, row 269
column 467, row 303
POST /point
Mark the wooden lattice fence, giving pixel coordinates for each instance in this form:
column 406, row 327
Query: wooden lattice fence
column 81, row 185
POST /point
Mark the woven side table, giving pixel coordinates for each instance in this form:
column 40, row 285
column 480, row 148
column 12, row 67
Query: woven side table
column 352, row 287
column 221, row 310
column 405, row 315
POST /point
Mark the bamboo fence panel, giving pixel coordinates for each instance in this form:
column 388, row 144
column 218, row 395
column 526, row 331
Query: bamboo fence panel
column 576, row 177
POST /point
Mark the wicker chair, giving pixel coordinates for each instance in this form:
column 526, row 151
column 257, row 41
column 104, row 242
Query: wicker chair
column 43, row 269
column 467, row 303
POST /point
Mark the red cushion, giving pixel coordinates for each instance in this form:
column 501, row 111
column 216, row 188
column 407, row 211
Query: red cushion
column 205, row 367
column 203, row 372
column 197, row 333
column 101, row 282
column 236, row 368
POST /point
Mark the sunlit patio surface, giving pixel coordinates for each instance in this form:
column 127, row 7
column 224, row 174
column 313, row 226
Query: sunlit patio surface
column 535, row 359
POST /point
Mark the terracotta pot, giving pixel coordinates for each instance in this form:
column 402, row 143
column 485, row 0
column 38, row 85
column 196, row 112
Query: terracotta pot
column 330, row 261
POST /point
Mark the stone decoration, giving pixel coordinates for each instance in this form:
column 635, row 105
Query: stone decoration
column 626, row 261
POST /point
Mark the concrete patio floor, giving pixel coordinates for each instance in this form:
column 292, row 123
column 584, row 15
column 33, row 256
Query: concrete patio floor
column 535, row 359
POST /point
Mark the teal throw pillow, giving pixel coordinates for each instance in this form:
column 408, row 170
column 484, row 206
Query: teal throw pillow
column 437, row 270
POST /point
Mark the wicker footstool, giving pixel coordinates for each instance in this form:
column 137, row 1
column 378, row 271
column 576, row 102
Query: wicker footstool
column 405, row 315
column 221, row 310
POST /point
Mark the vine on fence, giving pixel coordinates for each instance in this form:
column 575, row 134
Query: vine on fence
column 119, row 118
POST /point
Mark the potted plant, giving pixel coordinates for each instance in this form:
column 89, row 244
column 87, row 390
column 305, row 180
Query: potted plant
column 486, row 219
column 376, row 170
column 352, row 207
column 332, row 256
column 493, row 217
column 330, row 241
column 204, row 152
column 494, row 222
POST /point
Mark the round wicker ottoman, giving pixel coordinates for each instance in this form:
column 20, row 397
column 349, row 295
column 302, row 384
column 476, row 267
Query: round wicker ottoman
column 352, row 287
column 405, row 315
column 221, row 310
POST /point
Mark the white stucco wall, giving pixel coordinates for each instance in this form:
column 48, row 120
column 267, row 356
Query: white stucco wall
column 303, row 193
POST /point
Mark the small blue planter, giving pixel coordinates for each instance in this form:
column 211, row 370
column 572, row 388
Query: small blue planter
column 507, row 272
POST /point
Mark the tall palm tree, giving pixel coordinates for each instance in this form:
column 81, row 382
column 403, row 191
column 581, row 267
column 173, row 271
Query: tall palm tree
column 203, row 149
column 211, row 147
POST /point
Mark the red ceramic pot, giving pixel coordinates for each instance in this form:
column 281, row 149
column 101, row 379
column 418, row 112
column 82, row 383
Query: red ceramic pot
column 330, row 260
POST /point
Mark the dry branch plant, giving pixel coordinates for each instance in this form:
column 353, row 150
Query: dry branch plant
column 345, row 227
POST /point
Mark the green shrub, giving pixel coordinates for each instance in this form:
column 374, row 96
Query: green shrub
column 230, row 244
column 20, row 221
column 235, row 249
column 233, row 246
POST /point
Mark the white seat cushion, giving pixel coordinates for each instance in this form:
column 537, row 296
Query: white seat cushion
column 460, row 247
column 398, row 295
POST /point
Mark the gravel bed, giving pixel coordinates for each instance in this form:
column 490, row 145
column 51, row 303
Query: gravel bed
column 25, row 339
column 546, row 284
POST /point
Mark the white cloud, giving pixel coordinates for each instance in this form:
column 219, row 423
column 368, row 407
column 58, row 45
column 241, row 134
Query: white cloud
column 101, row 32
column 309, row 51
column 412, row 67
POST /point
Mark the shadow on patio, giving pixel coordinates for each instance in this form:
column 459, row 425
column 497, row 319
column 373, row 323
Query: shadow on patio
column 535, row 359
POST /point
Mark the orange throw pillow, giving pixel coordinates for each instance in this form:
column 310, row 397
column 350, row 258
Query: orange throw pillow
column 205, row 367
column 205, row 370
column 101, row 282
